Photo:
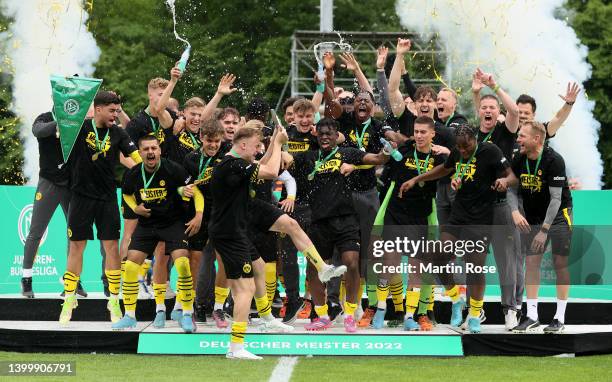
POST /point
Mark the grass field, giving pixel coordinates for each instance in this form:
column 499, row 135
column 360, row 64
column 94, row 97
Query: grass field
column 130, row 367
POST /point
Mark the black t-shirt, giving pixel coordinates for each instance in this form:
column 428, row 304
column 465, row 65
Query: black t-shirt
column 474, row 201
column 178, row 146
column 225, row 147
column 454, row 121
column 415, row 202
column 362, row 180
column 231, row 184
column 299, row 143
column 143, row 124
column 328, row 192
column 534, row 188
column 161, row 196
column 51, row 161
column 501, row 137
column 195, row 163
column 96, row 178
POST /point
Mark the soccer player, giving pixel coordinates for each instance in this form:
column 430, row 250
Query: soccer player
column 288, row 111
column 153, row 190
column 476, row 167
column 446, row 107
column 547, row 203
column 410, row 211
column 53, row 189
column 230, row 119
column 93, row 201
column 334, row 220
column 505, row 241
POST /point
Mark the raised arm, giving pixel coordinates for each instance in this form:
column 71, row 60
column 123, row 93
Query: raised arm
column 224, row 89
column 395, row 95
column 477, row 86
column 381, row 81
column 333, row 109
column 159, row 109
column 317, row 97
column 42, row 129
column 270, row 169
column 350, row 63
column 512, row 112
column 570, row 97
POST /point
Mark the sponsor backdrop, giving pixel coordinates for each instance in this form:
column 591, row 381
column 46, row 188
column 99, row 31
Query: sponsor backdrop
column 591, row 208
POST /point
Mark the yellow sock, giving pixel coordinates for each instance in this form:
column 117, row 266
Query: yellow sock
column 221, row 295
column 263, row 306
column 130, row 287
column 123, row 269
column 184, row 284
column 432, row 298
column 270, row 272
column 412, row 300
column 321, row 311
column 382, row 292
column 349, row 308
column 453, row 293
column 238, row 332
column 397, row 293
column 342, row 292
column 70, row 283
column 426, row 299
column 313, row 256
column 159, row 291
column 144, row 268
column 475, row 307
column 114, row 280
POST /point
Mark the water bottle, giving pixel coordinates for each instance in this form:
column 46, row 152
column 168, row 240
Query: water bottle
column 182, row 64
column 321, row 73
column 396, row 155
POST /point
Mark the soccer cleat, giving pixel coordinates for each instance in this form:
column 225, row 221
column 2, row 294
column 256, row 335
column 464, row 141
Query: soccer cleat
column 410, row 325
column 482, row 316
column 358, row 312
column 555, row 327
column 126, row 322
column 242, row 354
column 219, row 317
column 379, row 319
column 510, row 320
column 457, row 313
column 318, row 324
column 26, row 287
column 424, row 323
column 305, row 312
column 366, row 319
column 474, row 324
column 526, row 326
column 331, row 271
column 276, row 326
column 292, row 308
column 349, row 324
column 397, row 320
column 160, row 319
column 187, row 323
column 143, row 291
column 115, row 309
column 176, row 315
column 70, row 302
column 200, row 313
column 80, row 290
column 334, row 312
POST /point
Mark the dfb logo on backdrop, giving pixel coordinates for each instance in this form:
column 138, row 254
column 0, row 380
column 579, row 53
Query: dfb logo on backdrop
column 23, row 225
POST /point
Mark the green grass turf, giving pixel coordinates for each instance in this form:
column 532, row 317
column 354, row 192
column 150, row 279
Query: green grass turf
column 104, row 367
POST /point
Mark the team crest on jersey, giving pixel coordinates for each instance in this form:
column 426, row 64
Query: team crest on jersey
column 410, row 164
column 469, row 171
column 364, row 141
column 162, row 183
column 338, row 155
column 298, row 147
column 91, row 143
column 532, row 183
column 151, row 195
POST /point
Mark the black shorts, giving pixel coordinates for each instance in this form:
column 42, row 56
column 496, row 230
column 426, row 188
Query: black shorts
column 463, row 229
column 266, row 244
column 84, row 212
column 263, row 215
column 341, row 233
column 237, row 254
column 402, row 226
column 559, row 235
column 145, row 239
column 127, row 212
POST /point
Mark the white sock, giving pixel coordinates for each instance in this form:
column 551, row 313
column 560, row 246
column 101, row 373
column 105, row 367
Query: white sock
column 234, row 347
column 381, row 305
column 188, row 311
column 408, row 315
column 27, row 272
column 560, row 315
column 159, row 307
column 218, row 306
column 131, row 313
column 532, row 308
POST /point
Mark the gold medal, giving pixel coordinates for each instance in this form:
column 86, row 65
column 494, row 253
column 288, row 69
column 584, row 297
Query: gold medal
column 253, row 193
column 95, row 156
column 310, row 176
column 421, row 184
column 362, row 149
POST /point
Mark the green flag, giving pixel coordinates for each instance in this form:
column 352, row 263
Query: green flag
column 71, row 99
